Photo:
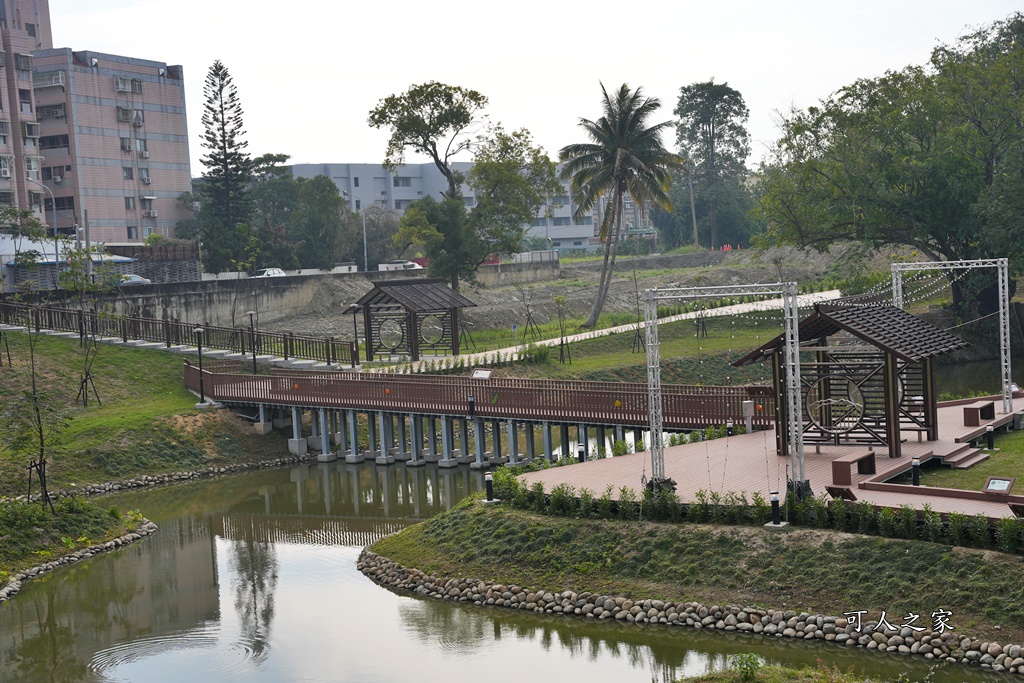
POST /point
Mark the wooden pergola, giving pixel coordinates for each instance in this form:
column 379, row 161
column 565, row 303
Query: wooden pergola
column 409, row 317
column 867, row 375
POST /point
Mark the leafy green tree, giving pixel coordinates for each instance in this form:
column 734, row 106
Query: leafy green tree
column 225, row 187
column 323, row 229
column 712, row 134
column 512, row 180
column 443, row 231
column 434, row 119
column 381, row 230
column 928, row 157
column 275, row 199
column 625, row 157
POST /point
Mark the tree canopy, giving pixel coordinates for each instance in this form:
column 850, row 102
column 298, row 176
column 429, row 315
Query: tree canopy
column 929, row 156
column 432, row 118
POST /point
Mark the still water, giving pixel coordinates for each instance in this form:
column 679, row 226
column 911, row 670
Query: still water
column 252, row 578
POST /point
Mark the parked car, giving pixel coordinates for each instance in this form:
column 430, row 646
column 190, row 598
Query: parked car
column 399, row 265
column 268, row 272
column 133, row 279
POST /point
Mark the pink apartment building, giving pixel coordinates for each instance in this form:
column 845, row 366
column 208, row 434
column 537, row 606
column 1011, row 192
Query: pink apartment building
column 94, row 131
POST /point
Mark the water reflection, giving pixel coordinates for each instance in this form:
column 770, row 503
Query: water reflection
column 252, row 578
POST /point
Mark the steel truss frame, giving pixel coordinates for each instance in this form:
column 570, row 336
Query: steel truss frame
column 791, row 365
column 1002, row 265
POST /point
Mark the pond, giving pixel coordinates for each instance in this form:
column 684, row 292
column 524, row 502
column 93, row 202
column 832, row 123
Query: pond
column 252, row 578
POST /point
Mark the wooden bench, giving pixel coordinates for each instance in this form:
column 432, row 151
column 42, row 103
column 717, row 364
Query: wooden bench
column 975, row 412
column 842, row 474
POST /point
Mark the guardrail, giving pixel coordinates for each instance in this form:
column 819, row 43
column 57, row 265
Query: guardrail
column 613, row 403
column 175, row 333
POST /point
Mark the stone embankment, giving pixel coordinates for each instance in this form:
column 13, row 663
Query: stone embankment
column 144, row 529
column 945, row 647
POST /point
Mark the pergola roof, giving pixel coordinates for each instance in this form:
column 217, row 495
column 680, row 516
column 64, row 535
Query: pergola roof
column 890, row 329
column 418, row 296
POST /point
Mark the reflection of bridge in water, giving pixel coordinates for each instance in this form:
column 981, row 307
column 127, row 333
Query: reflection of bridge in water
column 306, row 529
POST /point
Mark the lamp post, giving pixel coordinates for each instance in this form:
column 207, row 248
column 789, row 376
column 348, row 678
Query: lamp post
column 199, row 344
column 366, row 262
column 56, row 247
column 252, row 337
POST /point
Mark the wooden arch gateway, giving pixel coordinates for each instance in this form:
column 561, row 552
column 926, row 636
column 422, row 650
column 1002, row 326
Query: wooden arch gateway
column 409, row 317
column 866, row 375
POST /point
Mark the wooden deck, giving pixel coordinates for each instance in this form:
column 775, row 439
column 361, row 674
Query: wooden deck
column 748, row 463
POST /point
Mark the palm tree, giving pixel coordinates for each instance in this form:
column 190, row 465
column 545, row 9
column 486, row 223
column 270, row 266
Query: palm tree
column 624, row 157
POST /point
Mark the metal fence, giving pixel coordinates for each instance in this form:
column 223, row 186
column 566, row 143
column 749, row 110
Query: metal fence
column 177, row 333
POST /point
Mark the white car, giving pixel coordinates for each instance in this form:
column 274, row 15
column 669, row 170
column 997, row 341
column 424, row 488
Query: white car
column 268, row 272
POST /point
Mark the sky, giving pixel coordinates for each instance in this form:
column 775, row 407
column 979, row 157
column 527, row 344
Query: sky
column 309, row 71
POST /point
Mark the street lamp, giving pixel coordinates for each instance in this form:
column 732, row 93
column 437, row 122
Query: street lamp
column 366, row 263
column 252, row 338
column 199, row 344
column 56, row 247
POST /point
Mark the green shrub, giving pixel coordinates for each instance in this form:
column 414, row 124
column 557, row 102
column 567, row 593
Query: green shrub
column 620, row 448
column 628, row 508
column 700, row 510
column 907, row 521
column 1007, row 530
column 978, row 531
column 605, row 504
column 746, row 665
column 887, row 522
column 958, row 524
column 563, row 500
column 931, row 525
column 866, row 518
column 537, row 497
column 585, row 509
column 761, row 510
column 837, row 512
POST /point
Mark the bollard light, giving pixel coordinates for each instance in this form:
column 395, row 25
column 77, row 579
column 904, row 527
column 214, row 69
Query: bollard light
column 581, row 452
column 990, row 437
column 728, row 427
column 471, row 410
column 915, row 464
column 199, row 345
column 489, row 486
column 776, row 516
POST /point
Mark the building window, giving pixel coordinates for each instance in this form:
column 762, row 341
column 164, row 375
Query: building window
column 127, row 173
column 6, row 166
column 403, row 182
column 132, row 116
column 402, row 204
column 133, row 232
column 25, row 101
column 563, row 220
column 561, row 200
column 355, row 182
column 142, row 147
column 469, row 201
column 147, row 231
column 144, row 175
column 23, row 62
column 32, row 168
column 53, row 142
column 30, row 29
column 126, row 144
column 359, row 205
column 52, row 111
column 55, row 172
column 63, row 203
column 136, row 86
column 129, row 203
column 147, row 203
column 586, row 220
column 7, row 198
column 539, row 222
column 577, row 243
column 122, row 84
column 30, row 129
column 5, row 129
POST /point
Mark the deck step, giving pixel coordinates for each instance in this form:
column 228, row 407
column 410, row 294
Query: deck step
column 970, row 461
column 951, row 451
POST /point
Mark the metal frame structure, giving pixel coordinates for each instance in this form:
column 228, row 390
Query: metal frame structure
column 1002, row 265
column 791, row 364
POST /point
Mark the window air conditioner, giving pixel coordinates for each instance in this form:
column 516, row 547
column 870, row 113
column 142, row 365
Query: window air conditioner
column 5, row 172
column 58, row 179
column 145, row 154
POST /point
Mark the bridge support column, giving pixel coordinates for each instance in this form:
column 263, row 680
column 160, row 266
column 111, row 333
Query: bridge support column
column 618, row 434
column 325, row 472
column 581, row 437
column 325, row 440
column 513, row 442
column 314, row 429
column 416, row 442
column 463, row 455
column 431, row 455
column 342, row 434
column 602, row 446
column 496, row 457
column 530, row 447
column 447, row 456
column 384, row 456
column 335, row 419
column 403, row 452
column 479, row 441
column 297, row 445
column 299, row 476
column 264, row 425
column 564, row 428
column 354, row 455
column 546, row 435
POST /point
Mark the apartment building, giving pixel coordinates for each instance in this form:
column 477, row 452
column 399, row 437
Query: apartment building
column 113, row 140
column 83, row 130
column 365, row 184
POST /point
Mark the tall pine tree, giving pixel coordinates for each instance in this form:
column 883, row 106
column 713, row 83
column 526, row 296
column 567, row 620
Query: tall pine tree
column 225, row 188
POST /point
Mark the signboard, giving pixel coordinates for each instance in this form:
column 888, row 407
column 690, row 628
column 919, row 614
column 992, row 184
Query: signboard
column 999, row 485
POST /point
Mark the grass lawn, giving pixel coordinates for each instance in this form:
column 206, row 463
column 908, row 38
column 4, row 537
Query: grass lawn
column 1007, row 461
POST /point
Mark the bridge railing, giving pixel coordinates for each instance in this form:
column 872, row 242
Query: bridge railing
column 175, row 332
column 683, row 407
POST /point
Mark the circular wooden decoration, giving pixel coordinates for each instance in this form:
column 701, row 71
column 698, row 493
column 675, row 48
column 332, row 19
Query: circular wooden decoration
column 835, row 404
column 432, row 329
column 391, row 333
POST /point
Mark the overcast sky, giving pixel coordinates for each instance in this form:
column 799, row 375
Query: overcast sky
column 309, row 71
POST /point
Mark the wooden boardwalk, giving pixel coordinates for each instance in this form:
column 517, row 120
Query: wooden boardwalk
column 748, row 463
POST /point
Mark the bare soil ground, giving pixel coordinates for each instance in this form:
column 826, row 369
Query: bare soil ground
column 503, row 306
